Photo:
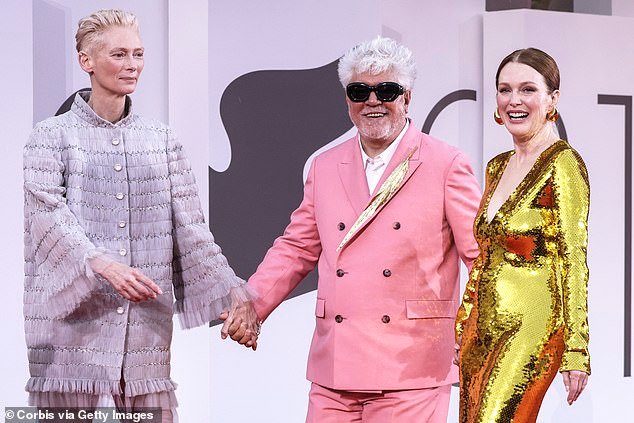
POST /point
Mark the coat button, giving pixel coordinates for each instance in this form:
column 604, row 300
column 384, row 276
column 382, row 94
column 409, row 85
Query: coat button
column 120, row 310
column 119, row 196
column 123, row 252
column 385, row 319
column 122, row 224
column 118, row 167
column 396, row 225
column 387, row 273
column 338, row 318
column 116, row 141
column 340, row 273
column 341, row 226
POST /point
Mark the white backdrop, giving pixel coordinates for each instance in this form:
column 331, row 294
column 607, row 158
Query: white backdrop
column 16, row 121
column 195, row 48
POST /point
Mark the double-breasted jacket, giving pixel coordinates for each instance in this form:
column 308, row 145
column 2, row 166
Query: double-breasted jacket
column 387, row 300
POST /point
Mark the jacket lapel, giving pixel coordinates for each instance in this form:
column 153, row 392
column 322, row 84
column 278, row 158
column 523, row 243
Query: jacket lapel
column 411, row 144
column 352, row 175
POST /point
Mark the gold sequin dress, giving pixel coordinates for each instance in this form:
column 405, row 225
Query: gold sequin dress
column 524, row 311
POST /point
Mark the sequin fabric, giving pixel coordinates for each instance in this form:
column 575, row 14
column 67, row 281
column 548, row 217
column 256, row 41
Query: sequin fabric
column 523, row 316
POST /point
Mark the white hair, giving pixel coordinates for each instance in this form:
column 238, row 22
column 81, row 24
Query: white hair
column 378, row 56
column 92, row 27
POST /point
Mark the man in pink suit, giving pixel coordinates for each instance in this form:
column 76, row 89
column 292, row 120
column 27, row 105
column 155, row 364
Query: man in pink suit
column 386, row 216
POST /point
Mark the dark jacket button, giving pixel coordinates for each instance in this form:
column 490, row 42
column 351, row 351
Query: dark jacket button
column 387, row 273
column 396, row 225
column 340, row 273
column 338, row 318
column 341, row 226
column 385, row 319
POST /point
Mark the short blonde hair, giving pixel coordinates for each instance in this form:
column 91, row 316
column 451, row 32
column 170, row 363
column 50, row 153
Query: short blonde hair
column 91, row 27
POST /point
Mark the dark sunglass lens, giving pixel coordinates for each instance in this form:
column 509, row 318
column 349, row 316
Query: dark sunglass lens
column 388, row 91
column 358, row 92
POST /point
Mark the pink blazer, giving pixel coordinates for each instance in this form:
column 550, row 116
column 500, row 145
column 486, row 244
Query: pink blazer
column 386, row 303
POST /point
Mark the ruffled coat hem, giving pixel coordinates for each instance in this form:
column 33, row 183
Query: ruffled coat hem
column 100, row 387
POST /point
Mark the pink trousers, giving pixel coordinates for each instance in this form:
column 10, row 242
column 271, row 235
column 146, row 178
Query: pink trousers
column 428, row 405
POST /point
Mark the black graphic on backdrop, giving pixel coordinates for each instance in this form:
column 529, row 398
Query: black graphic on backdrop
column 275, row 120
column 443, row 103
column 69, row 102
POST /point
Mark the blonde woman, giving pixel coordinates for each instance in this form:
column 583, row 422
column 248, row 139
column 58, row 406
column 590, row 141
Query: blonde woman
column 114, row 233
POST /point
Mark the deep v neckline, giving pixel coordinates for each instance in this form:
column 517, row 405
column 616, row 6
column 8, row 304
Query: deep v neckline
column 514, row 195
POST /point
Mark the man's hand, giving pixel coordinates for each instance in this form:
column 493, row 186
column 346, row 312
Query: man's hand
column 574, row 381
column 456, row 354
column 130, row 283
column 241, row 324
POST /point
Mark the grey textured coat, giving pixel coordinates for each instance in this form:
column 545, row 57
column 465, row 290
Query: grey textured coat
column 125, row 190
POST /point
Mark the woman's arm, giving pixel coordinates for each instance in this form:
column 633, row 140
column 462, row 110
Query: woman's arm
column 204, row 283
column 572, row 195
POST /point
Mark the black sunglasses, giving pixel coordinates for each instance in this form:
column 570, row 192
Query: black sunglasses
column 385, row 91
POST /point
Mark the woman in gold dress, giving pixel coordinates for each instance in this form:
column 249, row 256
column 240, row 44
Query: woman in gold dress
column 524, row 311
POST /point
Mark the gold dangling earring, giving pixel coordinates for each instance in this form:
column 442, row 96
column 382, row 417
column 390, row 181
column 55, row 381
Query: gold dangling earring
column 497, row 118
column 553, row 115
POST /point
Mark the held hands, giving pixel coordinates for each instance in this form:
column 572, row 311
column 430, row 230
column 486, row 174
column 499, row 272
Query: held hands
column 130, row 283
column 574, row 381
column 241, row 324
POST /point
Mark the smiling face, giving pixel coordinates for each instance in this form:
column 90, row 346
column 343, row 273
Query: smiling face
column 115, row 62
column 379, row 123
column 524, row 100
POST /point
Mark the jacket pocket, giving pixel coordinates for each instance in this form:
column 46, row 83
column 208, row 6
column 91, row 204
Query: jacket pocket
column 431, row 309
column 320, row 308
